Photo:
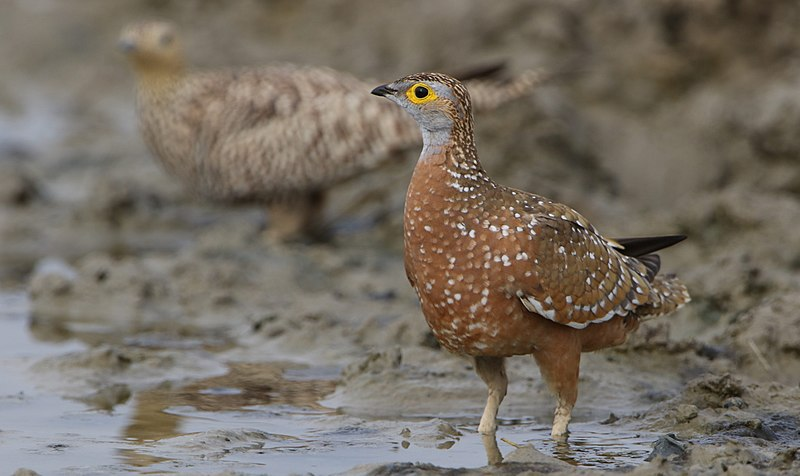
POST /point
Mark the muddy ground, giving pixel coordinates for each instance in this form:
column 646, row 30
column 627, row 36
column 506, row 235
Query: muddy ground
column 145, row 330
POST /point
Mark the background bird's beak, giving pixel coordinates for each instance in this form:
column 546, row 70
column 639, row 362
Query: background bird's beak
column 126, row 46
column 383, row 90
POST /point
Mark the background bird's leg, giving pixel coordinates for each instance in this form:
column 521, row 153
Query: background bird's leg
column 348, row 212
column 559, row 368
column 492, row 371
column 297, row 217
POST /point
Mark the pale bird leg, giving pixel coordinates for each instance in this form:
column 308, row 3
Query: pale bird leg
column 354, row 206
column 493, row 372
column 559, row 368
column 561, row 421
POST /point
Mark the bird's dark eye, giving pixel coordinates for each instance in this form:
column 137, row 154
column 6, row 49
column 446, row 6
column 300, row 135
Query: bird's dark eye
column 166, row 39
column 421, row 92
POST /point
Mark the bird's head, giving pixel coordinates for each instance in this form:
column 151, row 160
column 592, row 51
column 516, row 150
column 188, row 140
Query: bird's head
column 436, row 101
column 152, row 46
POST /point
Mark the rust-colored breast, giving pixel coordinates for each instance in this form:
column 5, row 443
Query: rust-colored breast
column 458, row 264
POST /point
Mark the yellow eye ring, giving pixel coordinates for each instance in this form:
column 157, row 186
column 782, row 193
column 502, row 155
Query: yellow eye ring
column 420, row 93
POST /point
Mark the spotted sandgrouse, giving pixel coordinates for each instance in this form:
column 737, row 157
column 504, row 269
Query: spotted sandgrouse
column 280, row 134
column 502, row 272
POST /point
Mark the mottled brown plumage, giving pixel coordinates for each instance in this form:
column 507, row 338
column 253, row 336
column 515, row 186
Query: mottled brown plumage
column 281, row 134
column 503, row 272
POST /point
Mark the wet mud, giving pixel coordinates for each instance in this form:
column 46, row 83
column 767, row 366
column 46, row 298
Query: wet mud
column 146, row 330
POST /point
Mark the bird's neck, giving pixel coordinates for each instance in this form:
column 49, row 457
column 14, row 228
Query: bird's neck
column 161, row 80
column 449, row 163
column 435, row 140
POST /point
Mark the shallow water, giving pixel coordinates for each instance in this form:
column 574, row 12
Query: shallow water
column 257, row 417
column 321, row 442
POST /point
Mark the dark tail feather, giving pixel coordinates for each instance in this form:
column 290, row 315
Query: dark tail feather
column 652, row 263
column 638, row 247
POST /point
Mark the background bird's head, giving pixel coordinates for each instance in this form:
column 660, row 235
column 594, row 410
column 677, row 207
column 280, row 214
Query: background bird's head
column 436, row 101
column 152, row 46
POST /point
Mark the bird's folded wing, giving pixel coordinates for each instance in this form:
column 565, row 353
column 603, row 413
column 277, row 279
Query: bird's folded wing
column 578, row 277
column 249, row 97
column 323, row 141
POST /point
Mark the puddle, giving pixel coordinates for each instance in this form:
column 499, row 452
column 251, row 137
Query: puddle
column 258, row 417
column 597, row 447
column 282, row 440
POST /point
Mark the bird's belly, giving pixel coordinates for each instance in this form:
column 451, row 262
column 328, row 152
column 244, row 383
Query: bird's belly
column 466, row 285
column 495, row 326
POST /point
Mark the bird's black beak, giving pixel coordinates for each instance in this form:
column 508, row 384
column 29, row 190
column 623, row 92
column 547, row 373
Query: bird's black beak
column 126, row 46
column 383, row 90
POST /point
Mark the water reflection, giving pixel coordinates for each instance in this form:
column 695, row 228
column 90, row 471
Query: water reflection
column 590, row 445
column 600, row 447
column 564, row 451
column 246, row 384
column 493, row 455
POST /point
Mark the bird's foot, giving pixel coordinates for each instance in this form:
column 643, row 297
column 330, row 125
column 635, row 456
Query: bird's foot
column 560, row 430
column 488, row 425
column 559, row 435
column 487, row 428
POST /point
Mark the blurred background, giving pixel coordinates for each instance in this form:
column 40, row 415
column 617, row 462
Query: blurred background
column 672, row 116
column 662, row 102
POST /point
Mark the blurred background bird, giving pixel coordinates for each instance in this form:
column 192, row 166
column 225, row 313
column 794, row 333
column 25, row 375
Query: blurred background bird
column 281, row 134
